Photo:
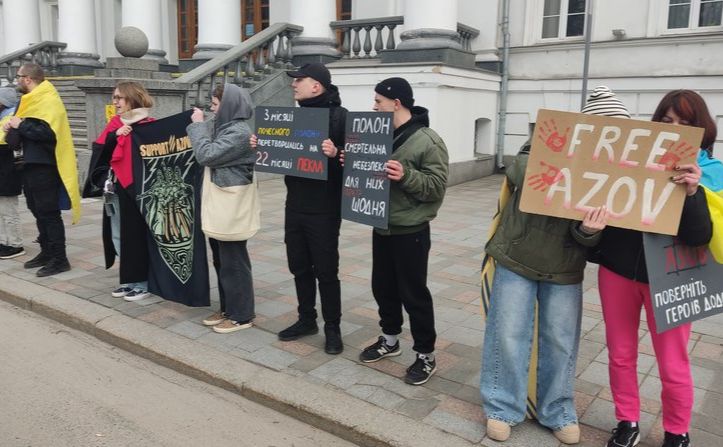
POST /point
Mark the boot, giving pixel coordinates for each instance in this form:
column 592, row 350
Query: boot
column 299, row 329
column 53, row 267
column 333, row 343
column 42, row 258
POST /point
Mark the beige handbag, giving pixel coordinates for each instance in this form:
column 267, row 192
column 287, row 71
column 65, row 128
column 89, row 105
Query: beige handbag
column 231, row 213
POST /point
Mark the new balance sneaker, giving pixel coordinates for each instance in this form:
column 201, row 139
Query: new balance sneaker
column 53, row 267
column 421, row 370
column 672, row 440
column 136, row 295
column 216, row 318
column 228, row 326
column 625, row 435
column 379, row 350
column 7, row 252
column 299, row 329
column 121, row 291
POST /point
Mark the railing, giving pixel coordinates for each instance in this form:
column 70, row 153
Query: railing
column 246, row 63
column 351, row 41
column 44, row 54
column 352, row 33
column 466, row 35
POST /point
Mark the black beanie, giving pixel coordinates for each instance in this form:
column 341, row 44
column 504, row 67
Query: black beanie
column 396, row 88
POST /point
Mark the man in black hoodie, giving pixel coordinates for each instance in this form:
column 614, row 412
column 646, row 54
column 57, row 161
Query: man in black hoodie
column 313, row 217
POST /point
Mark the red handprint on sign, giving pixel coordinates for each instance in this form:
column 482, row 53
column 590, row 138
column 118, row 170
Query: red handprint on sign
column 550, row 135
column 676, row 153
column 541, row 181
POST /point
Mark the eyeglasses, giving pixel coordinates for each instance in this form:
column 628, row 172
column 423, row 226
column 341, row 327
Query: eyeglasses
column 118, row 97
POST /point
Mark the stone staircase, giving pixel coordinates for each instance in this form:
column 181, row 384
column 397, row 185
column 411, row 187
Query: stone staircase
column 74, row 100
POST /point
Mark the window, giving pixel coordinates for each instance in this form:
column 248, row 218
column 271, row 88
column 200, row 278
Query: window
column 254, row 16
column 694, row 14
column 563, row 18
column 187, row 28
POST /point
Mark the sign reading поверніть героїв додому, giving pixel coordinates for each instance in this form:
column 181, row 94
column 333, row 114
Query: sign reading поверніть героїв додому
column 365, row 196
column 289, row 141
column 580, row 161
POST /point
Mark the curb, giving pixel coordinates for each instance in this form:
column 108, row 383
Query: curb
column 325, row 408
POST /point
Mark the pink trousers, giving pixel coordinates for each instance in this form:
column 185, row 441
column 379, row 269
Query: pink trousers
column 621, row 301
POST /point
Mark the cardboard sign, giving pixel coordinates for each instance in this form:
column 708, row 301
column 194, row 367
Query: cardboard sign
column 289, row 141
column 580, row 161
column 365, row 197
column 686, row 283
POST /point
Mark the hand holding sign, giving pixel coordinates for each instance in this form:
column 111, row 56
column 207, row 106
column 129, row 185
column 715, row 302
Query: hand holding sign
column 550, row 135
column 690, row 177
column 595, row 220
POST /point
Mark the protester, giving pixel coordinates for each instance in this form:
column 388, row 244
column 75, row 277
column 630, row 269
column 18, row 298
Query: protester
column 40, row 129
column 313, row 217
column 623, row 285
column 11, row 236
column 124, row 229
column 417, row 169
column 229, row 159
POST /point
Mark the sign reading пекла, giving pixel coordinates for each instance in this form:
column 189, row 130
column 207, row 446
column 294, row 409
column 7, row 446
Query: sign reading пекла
column 580, row 161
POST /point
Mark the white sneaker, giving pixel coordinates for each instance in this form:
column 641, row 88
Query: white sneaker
column 136, row 295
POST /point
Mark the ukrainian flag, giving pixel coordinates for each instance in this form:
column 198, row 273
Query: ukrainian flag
column 712, row 181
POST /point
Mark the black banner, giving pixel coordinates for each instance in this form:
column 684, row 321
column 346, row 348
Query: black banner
column 686, row 283
column 365, row 196
column 289, row 141
column 167, row 176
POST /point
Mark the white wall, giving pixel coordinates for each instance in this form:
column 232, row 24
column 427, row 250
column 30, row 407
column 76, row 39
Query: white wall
column 367, row 9
column 279, row 11
column 456, row 98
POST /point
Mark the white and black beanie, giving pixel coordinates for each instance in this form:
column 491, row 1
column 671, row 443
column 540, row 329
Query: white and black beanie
column 602, row 101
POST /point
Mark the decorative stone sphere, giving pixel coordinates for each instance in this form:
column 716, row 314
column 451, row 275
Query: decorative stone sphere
column 131, row 42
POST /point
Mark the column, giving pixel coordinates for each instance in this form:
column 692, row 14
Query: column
column 219, row 27
column 431, row 34
column 21, row 24
column 316, row 43
column 146, row 16
column 76, row 28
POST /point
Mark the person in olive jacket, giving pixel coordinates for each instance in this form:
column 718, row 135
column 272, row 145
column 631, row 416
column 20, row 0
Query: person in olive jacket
column 418, row 170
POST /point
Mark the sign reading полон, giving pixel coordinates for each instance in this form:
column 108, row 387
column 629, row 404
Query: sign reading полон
column 289, row 141
column 365, row 197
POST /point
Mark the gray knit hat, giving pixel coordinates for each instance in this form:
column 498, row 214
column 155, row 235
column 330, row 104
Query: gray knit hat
column 8, row 97
column 602, row 101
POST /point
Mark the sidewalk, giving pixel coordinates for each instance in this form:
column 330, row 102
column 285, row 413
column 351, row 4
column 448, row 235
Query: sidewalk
column 368, row 404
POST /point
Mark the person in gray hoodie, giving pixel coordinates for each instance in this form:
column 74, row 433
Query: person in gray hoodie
column 225, row 149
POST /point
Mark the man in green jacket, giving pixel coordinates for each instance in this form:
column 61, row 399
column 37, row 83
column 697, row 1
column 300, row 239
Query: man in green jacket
column 418, row 171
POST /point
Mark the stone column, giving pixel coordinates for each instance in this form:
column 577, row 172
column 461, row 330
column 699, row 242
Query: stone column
column 76, row 27
column 21, row 24
column 431, row 35
column 146, row 16
column 316, row 43
column 219, row 27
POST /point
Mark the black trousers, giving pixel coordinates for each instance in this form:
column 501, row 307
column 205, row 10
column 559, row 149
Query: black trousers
column 134, row 235
column 312, row 250
column 399, row 278
column 42, row 186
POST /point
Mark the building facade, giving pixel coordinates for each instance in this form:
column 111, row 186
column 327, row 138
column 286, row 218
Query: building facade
column 641, row 49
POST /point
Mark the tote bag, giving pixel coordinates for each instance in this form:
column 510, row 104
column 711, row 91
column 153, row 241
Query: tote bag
column 231, row 213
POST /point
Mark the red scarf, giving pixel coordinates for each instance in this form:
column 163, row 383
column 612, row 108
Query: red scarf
column 122, row 160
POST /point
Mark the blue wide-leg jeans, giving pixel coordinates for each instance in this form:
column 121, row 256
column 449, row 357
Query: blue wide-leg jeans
column 508, row 343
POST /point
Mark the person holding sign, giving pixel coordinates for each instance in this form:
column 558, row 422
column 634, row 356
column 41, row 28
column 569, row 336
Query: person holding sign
column 624, row 289
column 229, row 161
column 313, row 217
column 540, row 262
column 418, row 170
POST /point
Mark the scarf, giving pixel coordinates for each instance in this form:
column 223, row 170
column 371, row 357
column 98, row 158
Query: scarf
column 122, row 161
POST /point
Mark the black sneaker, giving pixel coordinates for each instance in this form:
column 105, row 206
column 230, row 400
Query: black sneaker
column 40, row 260
column 420, row 371
column 7, row 252
column 299, row 329
column 379, row 350
column 625, row 435
column 333, row 344
column 672, row 440
column 53, row 267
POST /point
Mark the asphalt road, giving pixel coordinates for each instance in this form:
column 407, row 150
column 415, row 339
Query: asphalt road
column 59, row 387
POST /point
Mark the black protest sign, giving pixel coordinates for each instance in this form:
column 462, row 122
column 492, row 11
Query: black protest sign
column 365, row 197
column 165, row 181
column 686, row 283
column 289, row 141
